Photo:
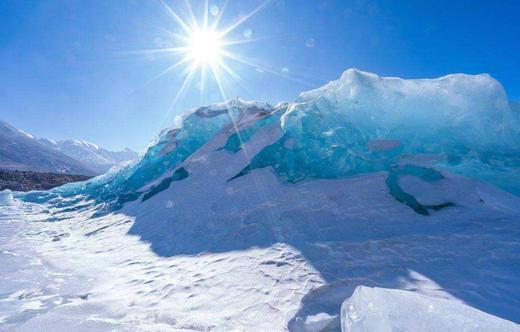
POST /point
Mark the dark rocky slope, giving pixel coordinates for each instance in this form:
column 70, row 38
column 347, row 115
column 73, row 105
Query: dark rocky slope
column 26, row 180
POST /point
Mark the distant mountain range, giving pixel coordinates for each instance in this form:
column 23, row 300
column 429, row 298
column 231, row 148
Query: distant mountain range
column 89, row 154
column 22, row 151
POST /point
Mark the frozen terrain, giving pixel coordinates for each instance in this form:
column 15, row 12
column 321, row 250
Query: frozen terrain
column 249, row 217
column 379, row 309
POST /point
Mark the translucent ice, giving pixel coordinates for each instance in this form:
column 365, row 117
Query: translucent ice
column 363, row 123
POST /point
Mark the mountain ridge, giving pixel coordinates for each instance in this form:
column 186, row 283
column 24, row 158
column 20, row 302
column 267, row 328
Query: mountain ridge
column 22, row 151
column 92, row 155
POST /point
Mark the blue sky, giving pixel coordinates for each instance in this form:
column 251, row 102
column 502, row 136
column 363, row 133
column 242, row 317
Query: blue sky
column 67, row 70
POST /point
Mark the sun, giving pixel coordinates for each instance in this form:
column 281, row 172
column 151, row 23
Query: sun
column 204, row 47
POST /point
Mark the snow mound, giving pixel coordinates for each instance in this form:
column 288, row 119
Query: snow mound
column 6, row 198
column 380, row 309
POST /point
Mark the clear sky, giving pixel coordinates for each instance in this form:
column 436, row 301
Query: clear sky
column 68, row 70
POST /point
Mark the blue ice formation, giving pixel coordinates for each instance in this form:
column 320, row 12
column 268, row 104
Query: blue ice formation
column 357, row 124
column 363, row 123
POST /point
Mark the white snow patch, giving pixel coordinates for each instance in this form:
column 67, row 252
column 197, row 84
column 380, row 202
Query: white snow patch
column 6, row 198
column 26, row 133
column 315, row 323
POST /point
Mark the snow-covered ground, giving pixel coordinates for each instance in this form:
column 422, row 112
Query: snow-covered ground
column 252, row 271
column 274, row 228
column 65, row 277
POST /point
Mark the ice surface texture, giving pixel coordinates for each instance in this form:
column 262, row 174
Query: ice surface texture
column 363, row 123
column 386, row 310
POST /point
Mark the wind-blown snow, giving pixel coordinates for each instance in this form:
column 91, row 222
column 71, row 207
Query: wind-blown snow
column 386, row 310
column 246, row 216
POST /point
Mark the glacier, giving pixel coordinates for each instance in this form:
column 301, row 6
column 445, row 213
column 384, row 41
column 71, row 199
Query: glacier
column 245, row 215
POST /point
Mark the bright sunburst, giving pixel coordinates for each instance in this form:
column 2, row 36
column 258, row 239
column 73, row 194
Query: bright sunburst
column 203, row 50
column 203, row 47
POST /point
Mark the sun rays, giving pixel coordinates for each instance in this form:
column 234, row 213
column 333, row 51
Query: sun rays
column 202, row 49
column 205, row 53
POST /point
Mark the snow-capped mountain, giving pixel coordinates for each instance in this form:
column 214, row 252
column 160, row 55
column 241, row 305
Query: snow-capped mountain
column 358, row 202
column 91, row 155
column 20, row 150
